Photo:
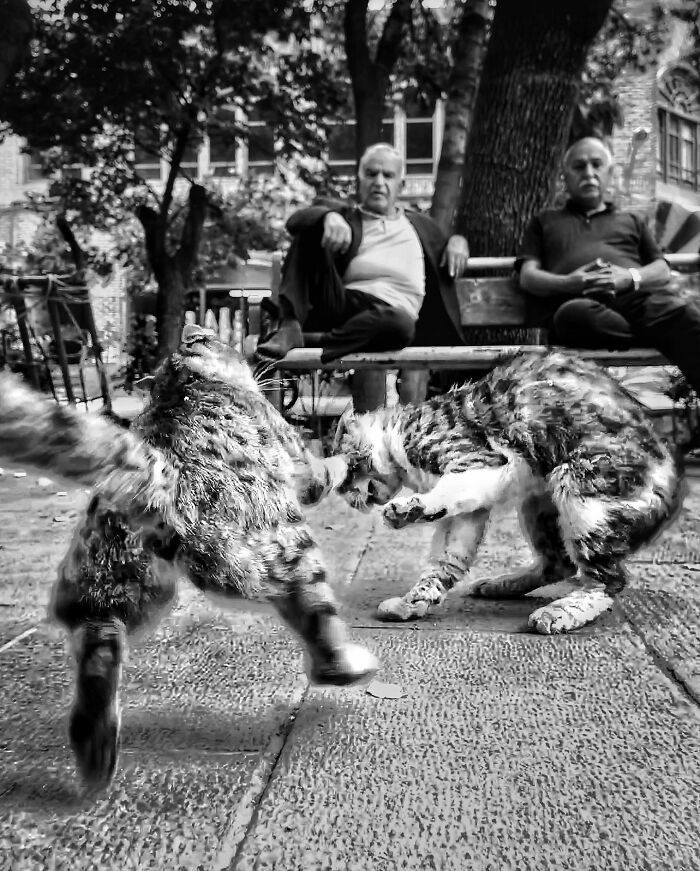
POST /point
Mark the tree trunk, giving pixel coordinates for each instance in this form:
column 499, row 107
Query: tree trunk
column 526, row 99
column 173, row 271
column 459, row 110
column 370, row 78
column 170, row 305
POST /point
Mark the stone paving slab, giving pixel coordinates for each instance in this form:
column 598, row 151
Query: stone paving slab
column 522, row 753
column 204, row 700
column 508, row 750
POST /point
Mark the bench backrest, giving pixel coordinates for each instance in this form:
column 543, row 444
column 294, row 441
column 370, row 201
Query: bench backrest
column 491, row 302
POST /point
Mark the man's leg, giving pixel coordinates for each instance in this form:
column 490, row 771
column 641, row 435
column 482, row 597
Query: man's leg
column 371, row 326
column 587, row 323
column 661, row 320
column 310, row 283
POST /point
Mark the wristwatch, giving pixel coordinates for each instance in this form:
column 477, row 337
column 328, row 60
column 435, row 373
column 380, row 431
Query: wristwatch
column 636, row 278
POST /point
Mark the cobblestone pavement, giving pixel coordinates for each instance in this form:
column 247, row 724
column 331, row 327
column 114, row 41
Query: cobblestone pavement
column 504, row 750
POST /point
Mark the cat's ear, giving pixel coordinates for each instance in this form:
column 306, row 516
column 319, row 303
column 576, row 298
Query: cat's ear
column 343, row 425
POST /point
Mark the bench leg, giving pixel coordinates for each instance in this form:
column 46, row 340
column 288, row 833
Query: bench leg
column 368, row 389
column 413, row 386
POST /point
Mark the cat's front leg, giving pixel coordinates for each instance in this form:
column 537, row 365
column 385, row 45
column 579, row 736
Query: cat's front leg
column 452, row 551
column 455, row 493
column 299, row 590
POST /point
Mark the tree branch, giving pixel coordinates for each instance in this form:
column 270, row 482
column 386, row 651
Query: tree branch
column 390, row 41
column 175, row 161
column 155, row 240
column 355, row 31
column 192, row 230
column 67, row 232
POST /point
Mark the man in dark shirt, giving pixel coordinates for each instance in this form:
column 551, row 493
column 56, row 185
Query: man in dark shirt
column 595, row 276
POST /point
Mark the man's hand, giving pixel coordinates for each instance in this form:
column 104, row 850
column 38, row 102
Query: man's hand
column 455, row 256
column 337, row 234
column 602, row 278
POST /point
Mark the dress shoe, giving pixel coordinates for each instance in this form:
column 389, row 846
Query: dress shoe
column 288, row 336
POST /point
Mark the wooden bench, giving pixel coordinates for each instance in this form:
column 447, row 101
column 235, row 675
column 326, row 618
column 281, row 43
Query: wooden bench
column 494, row 314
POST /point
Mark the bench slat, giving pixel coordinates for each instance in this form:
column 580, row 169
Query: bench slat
column 457, row 357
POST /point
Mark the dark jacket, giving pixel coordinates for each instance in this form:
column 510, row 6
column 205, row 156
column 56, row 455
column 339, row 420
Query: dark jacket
column 439, row 319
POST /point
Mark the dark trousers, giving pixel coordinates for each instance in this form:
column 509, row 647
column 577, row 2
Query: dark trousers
column 367, row 324
column 646, row 318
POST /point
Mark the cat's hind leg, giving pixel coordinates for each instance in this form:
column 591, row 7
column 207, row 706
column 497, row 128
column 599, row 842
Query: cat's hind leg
column 452, row 551
column 306, row 602
column 608, row 508
column 283, row 566
column 107, row 587
column 539, row 521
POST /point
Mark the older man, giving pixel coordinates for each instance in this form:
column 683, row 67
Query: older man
column 596, row 277
column 369, row 275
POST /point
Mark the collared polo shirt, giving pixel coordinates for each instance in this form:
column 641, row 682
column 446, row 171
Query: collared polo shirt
column 565, row 239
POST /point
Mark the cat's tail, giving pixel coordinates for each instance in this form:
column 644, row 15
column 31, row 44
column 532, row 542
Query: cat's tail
column 86, row 448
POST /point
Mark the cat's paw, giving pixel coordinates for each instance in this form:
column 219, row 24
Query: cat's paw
column 399, row 610
column 350, row 664
column 400, row 512
column 569, row 613
column 94, row 739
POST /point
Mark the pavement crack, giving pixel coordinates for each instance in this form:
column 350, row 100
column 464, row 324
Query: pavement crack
column 246, row 815
column 665, row 666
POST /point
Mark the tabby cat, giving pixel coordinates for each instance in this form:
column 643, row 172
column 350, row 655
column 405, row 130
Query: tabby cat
column 207, row 484
column 546, row 431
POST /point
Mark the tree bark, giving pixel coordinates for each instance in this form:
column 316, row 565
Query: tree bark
column 462, row 91
column 370, row 78
column 526, row 99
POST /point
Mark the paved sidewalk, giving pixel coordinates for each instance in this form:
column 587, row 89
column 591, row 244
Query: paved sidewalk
column 505, row 751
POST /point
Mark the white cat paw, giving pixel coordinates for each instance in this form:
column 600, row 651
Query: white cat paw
column 571, row 612
column 400, row 512
column 352, row 664
column 399, row 609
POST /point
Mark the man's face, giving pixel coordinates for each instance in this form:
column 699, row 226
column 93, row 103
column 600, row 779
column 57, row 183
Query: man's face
column 379, row 182
column 588, row 172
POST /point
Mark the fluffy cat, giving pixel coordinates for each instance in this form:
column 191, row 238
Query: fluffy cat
column 553, row 434
column 206, row 485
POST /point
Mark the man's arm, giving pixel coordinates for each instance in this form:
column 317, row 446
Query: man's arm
column 309, row 216
column 455, row 255
column 537, row 281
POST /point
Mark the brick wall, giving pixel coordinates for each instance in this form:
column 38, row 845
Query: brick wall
column 634, row 146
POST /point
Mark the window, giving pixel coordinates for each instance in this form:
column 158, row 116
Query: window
column 189, row 164
column 224, row 146
column 419, row 146
column 33, row 167
column 147, row 165
column 261, row 148
column 341, row 146
column 678, row 152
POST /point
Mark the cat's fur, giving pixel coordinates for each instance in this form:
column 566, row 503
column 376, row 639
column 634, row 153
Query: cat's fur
column 207, row 485
column 549, row 432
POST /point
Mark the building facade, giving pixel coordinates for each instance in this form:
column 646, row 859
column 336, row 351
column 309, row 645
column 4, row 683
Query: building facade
column 656, row 152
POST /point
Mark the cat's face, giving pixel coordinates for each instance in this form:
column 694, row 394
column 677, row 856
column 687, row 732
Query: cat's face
column 372, row 478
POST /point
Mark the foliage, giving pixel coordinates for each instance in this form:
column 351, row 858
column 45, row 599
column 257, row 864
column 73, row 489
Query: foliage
column 48, row 253
column 111, row 85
